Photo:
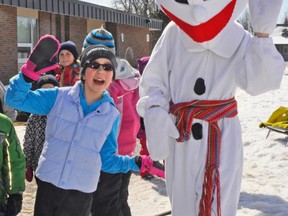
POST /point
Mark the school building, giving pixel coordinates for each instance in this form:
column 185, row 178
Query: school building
column 23, row 22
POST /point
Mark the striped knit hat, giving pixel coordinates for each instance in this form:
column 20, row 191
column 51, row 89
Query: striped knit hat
column 100, row 36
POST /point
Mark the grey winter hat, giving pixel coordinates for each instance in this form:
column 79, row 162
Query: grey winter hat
column 93, row 52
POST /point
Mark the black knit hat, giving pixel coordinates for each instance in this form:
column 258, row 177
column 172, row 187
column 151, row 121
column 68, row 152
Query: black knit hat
column 70, row 46
column 47, row 78
column 93, row 52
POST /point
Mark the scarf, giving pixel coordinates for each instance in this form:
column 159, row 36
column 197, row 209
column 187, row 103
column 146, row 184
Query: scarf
column 210, row 111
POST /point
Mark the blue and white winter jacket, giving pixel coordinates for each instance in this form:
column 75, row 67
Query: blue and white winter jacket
column 80, row 140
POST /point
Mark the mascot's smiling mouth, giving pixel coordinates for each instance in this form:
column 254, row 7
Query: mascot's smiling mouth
column 208, row 30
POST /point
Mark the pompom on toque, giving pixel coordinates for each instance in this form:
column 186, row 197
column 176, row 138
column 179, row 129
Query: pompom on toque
column 100, row 36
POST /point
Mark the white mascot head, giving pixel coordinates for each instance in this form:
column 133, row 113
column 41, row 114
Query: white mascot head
column 202, row 20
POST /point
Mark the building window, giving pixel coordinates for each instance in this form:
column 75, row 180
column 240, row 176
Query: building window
column 26, row 37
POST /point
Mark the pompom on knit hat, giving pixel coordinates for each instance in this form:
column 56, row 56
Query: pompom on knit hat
column 47, row 78
column 70, row 46
column 93, row 52
column 100, row 36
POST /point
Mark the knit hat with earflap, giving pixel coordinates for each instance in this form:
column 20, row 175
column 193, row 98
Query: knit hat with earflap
column 100, row 36
column 71, row 47
column 93, row 52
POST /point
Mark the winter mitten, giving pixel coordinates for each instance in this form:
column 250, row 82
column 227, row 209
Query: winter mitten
column 14, row 204
column 29, row 174
column 42, row 58
column 160, row 132
column 264, row 15
column 147, row 165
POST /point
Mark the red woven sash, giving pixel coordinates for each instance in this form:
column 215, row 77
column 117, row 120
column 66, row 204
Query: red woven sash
column 210, row 111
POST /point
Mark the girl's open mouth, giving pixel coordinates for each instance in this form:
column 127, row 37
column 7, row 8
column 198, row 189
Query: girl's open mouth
column 99, row 81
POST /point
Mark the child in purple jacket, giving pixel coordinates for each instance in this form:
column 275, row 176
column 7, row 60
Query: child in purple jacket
column 111, row 196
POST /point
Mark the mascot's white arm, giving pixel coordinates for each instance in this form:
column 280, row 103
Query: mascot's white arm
column 264, row 65
column 153, row 105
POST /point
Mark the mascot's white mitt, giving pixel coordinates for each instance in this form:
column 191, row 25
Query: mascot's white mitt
column 158, row 121
column 264, row 15
column 159, row 127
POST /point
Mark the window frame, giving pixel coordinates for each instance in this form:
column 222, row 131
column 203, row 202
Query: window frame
column 32, row 39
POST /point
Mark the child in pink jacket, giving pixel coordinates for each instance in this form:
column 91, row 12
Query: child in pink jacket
column 124, row 91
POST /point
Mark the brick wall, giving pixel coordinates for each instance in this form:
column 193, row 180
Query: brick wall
column 134, row 45
column 8, row 38
column 67, row 28
column 44, row 23
column 154, row 36
column 78, row 31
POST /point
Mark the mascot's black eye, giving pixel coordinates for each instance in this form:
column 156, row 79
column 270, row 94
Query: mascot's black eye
column 182, row 1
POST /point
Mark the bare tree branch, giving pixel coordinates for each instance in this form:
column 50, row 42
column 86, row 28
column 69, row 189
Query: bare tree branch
column 244, row 20
column 145, row 8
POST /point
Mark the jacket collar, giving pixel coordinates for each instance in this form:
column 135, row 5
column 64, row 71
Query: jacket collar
column 77, row 90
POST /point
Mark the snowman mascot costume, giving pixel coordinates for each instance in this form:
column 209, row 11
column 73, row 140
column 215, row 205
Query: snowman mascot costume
column 187, row 97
